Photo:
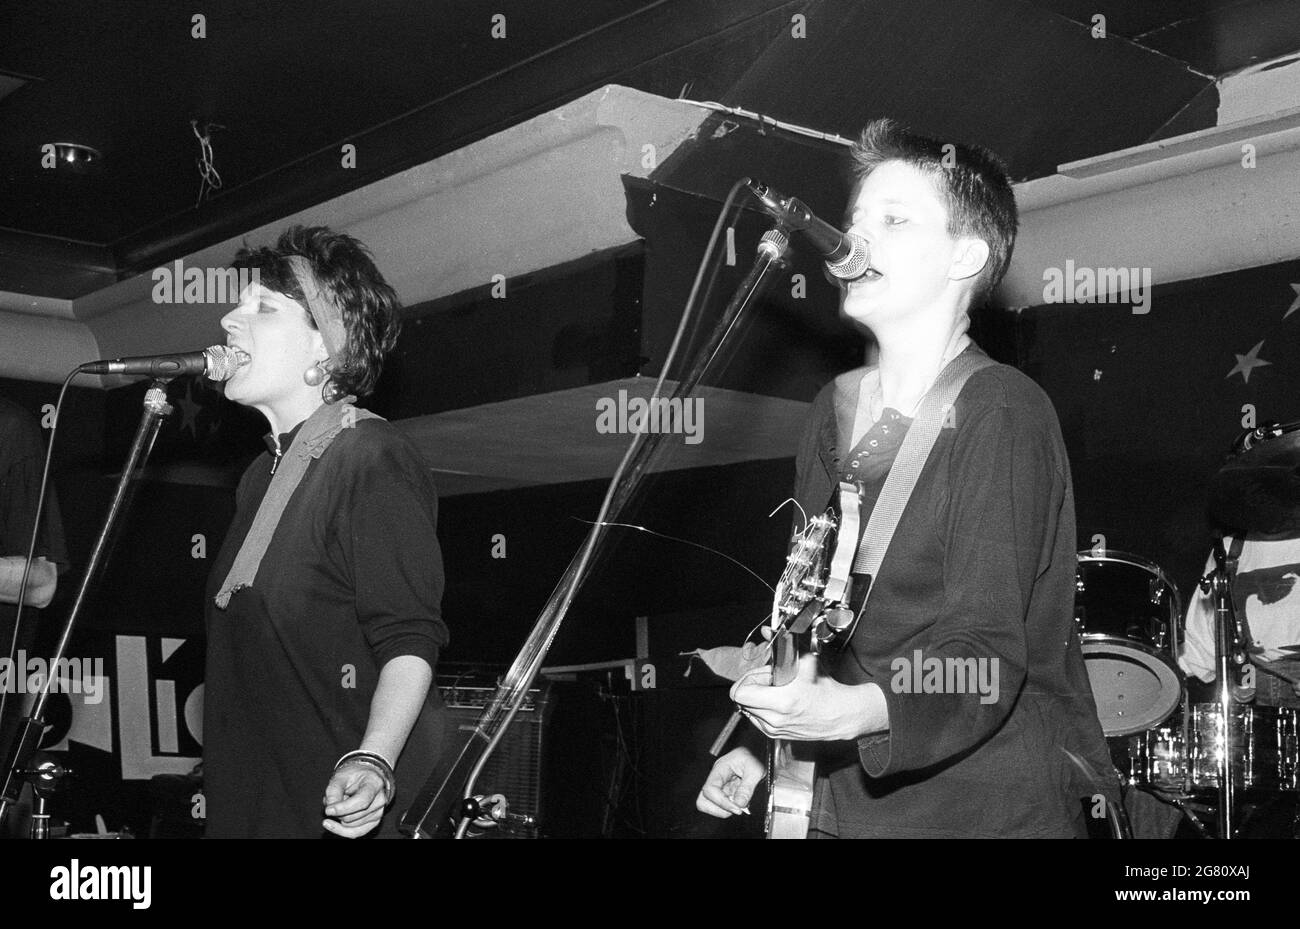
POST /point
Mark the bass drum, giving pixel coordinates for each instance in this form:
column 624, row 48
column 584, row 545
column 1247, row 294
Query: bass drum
column 1129, row 616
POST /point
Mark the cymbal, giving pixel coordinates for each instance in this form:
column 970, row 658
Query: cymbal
column 1258, row 489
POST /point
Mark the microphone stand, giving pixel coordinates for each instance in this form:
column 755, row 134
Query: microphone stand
column 156, row 409
column 442, row 802
column 1226, row 653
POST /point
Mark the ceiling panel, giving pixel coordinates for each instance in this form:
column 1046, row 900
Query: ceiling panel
column 1213, row 37
column 409, row 80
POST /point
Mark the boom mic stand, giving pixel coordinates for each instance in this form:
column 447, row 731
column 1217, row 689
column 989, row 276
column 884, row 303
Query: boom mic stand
column 442, row 806
column 156, row 409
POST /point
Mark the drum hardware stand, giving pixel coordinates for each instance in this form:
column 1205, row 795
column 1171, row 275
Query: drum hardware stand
column 1192, row 818
column 1227, row 656
column 1120, row 826
column 1249, row 439
column 156, row 409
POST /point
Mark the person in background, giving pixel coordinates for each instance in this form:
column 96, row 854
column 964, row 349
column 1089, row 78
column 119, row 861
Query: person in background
column 22, row 459
column 1266, row 604
column 1266, row 600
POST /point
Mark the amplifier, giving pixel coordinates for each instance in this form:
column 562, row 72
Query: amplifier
column 515, row 768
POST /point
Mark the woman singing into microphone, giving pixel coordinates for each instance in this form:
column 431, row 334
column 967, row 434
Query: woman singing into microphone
column 323, row 608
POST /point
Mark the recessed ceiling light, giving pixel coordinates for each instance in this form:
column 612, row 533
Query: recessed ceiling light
column 74, row 157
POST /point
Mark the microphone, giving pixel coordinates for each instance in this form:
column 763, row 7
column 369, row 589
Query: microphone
column 216, row 362
column 847, row 255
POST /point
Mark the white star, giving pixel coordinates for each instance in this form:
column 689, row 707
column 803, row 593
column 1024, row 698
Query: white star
column 1248, row 362
column 1295, row 304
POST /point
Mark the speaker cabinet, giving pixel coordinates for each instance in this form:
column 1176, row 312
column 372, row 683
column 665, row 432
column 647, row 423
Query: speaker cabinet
column 515, row 768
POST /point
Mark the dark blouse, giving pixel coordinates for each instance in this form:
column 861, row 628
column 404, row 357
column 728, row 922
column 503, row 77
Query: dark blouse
column 982, row 566
column 352, row 579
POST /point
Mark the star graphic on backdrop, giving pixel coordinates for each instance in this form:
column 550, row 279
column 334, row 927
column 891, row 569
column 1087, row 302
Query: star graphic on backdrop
column 190, row 410
column 1295, row 304
column 1248, row 362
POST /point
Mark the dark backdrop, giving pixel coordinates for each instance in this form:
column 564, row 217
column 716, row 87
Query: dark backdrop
column 1149, row 404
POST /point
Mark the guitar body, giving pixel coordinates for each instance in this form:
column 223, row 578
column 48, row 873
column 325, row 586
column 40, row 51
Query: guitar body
column 790, row 795
column 814, row 606
column 792, row 770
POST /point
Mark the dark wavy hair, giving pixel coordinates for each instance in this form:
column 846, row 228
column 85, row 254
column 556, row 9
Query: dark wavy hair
column 345, row 269
column 972, row 181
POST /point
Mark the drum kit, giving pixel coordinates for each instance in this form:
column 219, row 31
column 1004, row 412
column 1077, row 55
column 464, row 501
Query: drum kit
column 1206, row 755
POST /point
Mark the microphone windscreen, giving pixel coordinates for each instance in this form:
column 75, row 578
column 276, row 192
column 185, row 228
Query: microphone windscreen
column 223, row 362
column 855, row 263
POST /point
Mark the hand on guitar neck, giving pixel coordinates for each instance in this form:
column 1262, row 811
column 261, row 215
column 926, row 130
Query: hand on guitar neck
column 812, row 707
column 789, row 700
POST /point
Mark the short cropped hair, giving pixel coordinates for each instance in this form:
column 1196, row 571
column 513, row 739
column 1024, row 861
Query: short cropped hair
column 345, row 268
column 972, row 181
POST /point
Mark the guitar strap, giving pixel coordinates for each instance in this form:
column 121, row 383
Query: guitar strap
column 934, row 414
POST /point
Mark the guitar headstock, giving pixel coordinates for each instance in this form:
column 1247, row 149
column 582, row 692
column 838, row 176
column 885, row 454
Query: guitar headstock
column 802, row 581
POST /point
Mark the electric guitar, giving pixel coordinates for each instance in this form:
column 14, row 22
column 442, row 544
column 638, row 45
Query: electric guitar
column 814, row 607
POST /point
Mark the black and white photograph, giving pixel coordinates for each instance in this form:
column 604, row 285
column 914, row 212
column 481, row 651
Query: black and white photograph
column 642, row 420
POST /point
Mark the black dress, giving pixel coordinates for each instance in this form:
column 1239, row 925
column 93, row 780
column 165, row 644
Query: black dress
column 352, row 579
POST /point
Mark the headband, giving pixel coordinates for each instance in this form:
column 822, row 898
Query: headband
column 320, row 303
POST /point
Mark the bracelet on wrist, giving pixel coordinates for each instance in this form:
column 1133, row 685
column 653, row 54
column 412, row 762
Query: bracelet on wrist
column 372, row 760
